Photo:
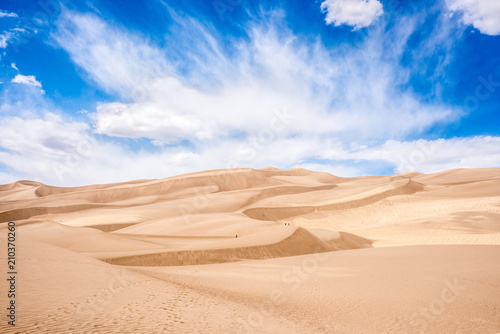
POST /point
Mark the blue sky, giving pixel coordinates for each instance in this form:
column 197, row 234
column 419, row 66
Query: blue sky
column 104, row 91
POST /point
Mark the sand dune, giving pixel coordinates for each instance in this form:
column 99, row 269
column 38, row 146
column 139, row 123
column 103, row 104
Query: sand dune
column 211, row 251
column 298, row 243
column 400, row 187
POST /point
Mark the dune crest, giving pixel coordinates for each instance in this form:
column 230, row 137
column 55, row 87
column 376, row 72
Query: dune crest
column 300, row 242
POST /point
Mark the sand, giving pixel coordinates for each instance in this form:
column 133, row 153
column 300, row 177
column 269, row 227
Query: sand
column 314, row 253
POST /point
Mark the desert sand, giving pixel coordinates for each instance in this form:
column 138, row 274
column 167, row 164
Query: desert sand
column 257, row 251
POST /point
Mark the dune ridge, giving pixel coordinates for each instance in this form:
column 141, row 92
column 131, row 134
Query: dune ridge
column 299, row 243
column 280, row 213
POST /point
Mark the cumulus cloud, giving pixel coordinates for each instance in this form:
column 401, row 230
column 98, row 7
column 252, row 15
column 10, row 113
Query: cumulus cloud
column 42, row 136
column 29, row 80
column 59, row 151
column 35, row 147
column 355, row 13
column 482, row 14
column 146, row 120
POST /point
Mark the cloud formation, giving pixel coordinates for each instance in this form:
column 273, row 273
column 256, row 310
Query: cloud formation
column 484, row 15
column 118, row 65
column 4, row 38
column 4, row 13
column 65, row 152
column 197, row 101
column 29, row 80
column 355, row 13
column 236, row 92
column 426, row 156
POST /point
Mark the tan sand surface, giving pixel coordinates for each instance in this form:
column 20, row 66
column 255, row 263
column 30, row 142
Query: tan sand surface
column 257, row 251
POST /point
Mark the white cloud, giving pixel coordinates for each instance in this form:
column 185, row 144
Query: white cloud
column 147, row 120
column 50, row 149
column 29, row 80
column 115, row 63
column 8, row 36
column 210, row 92
column 34, row 147
column 63, row 152
column 7, row 14
column 484, row 15
column 425, row 156
column 13, row 65
column 355, row 13
column 4, row 38
column 41, row 136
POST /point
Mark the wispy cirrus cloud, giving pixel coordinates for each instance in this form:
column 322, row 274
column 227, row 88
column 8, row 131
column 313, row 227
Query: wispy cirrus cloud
column 117, row 64
column 330, row 92
column 4, row 39
column 8, row 35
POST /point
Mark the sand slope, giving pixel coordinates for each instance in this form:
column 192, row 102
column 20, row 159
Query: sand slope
column 314, row 253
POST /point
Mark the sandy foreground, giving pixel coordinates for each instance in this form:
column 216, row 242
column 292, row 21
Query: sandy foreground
column 314, row 253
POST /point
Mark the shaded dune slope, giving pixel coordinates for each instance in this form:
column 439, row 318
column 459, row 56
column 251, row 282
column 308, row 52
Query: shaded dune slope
column 279, row 213
column 25, row 213
column 269, row 182
column 299, row 243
